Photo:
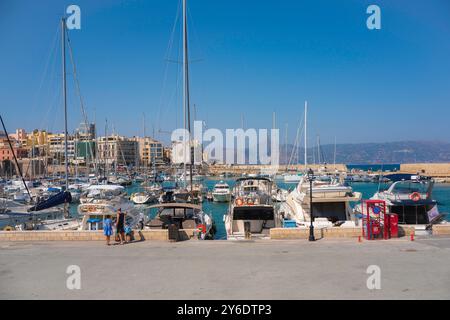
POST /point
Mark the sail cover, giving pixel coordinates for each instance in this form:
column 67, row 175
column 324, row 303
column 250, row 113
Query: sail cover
column 57, row 199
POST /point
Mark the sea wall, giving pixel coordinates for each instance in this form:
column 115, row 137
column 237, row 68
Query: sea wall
column 139, row 235
column 254, row 169
column 431, row 169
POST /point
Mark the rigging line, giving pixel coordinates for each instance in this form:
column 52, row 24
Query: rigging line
column 197, row 38
column 44, row 74
column 51, row 91
column 295, row 147
column 15, row 158
column 166, row 66
column 77, row 86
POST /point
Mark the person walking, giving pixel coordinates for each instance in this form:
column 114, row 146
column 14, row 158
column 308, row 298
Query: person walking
column 107, row 229
column 120, row 225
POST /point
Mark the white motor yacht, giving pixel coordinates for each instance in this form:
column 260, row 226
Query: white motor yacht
column 251, row 213
column 221, row 192
column 330, row 203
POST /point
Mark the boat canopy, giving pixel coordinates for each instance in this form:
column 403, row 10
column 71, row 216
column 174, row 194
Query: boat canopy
column 176, row 205
column 106, row 187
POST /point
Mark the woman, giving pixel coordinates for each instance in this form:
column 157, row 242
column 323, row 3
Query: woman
column 107, row 229
column 120, row 225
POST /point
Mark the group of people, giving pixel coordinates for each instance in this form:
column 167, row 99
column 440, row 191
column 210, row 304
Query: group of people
column 124, row 232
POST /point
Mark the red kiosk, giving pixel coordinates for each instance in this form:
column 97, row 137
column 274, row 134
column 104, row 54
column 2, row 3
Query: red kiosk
column 376, row 223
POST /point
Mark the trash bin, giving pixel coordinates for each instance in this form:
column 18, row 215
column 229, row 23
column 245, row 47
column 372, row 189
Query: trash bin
column 173, row 232
column 393, row 225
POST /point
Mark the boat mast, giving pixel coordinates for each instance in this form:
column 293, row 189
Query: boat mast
column 186, row 100
column 63, row 47
column 306, row 148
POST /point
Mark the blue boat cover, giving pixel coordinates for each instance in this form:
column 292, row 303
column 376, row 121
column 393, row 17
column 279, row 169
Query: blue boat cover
column 57, row 199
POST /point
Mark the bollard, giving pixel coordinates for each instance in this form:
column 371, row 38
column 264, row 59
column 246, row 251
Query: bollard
column 412, row 236
column 359, row 238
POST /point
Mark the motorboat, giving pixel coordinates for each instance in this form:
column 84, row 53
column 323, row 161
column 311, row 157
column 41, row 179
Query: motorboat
column 142, row 197
column 15, row 215
column 94, row 213
column 101, row 191
column 330, row 203
column 251, row 214
column 183, row 216
column 221, row 192
column 292, row 178
column 410, row 197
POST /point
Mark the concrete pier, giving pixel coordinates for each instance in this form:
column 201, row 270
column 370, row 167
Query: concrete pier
column 290, row 269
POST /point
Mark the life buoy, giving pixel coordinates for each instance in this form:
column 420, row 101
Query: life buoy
column 239, row 202
column 415, row 196
column 250, row 202
column 201, row 228
column 8, row 228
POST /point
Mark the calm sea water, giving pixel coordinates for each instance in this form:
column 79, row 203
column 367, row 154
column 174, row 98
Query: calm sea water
column 441, row 193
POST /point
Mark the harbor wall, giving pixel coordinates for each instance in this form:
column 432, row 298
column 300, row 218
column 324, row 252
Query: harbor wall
column 189, row 234
column 255, row 169
column 338, row 232
column 431, row 169
column 68, row 235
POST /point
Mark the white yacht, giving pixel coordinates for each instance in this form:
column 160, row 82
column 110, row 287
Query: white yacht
column 142, row 197
column 221, row 192
column 251, row 213
column 330, row 203
column 93, row 213
column 410, row 197
column 184, row 216
column 101, row 191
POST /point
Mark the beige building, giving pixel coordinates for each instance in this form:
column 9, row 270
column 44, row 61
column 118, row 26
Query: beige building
column 118, row 150
column 56, row 147
column 149, row 150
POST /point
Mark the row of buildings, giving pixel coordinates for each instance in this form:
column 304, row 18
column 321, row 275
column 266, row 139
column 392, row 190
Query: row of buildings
column 84, row 148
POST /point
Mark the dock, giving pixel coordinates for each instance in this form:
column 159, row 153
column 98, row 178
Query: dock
column 296, row 269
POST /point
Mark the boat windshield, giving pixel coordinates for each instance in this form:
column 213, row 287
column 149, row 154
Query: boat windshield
column 408, row 187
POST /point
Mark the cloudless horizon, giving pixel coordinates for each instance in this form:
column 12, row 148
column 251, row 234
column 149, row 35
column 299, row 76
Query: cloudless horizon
column 248, row 59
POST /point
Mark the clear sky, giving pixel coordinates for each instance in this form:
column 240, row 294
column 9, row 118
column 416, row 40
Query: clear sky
column 249, row 57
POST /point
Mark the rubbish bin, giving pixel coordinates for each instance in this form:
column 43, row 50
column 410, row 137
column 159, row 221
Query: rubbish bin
column 173, row 232
column 393, row 225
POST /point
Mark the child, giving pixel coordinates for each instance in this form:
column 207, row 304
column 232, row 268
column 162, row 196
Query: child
column 128, row 232
column 107, row 228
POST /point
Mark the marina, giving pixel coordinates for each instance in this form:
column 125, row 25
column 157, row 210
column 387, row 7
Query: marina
column 198, row 150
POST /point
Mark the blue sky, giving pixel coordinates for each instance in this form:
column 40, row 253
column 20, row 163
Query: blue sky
column 248, row 57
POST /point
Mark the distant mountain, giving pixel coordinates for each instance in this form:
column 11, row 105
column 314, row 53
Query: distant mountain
column 373, row 153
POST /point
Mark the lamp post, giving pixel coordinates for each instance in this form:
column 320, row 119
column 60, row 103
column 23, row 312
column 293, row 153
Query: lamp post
column 311, row 215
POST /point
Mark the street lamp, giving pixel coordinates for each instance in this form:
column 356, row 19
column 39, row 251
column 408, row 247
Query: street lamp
column 311, row 215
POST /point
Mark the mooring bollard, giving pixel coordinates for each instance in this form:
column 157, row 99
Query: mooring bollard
column 359, row 239
column 412, row 236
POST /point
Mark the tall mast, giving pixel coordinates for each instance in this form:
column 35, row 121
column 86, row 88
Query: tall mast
column 306, row 147
column 186, row 100
column 63, row 47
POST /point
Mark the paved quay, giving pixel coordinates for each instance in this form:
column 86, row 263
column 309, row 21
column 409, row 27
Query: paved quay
column 326, row 269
